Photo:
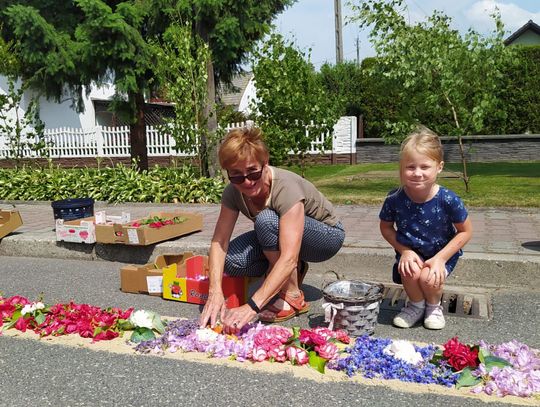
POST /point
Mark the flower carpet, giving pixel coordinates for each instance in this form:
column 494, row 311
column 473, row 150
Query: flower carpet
column 508, row 372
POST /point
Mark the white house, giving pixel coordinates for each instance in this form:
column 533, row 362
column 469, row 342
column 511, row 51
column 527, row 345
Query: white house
column 97, row 132
column 61, row 114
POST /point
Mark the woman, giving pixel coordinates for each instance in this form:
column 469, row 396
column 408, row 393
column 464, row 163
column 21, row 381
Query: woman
column 293, row 224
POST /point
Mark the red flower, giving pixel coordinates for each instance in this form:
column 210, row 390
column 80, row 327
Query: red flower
column 311, row 338
column 17, row 300
column 459, row 355
column 106, row 335
column 22, row 324
column 6, row 310
column 156, row 225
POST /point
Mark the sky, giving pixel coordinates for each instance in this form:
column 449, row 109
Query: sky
column 310, row 23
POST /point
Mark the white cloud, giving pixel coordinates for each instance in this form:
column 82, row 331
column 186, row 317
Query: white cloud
column 512, row 15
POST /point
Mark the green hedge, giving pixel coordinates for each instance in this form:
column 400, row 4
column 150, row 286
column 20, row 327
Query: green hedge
column 521, row 93
column 376, row 100
column 113, row 185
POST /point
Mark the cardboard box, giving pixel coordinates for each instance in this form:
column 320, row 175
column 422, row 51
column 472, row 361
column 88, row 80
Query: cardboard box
column 9, row 221
column 188, row 282
column 143, row 235
column 148, row 279
column 76, row 231
column 84, row 230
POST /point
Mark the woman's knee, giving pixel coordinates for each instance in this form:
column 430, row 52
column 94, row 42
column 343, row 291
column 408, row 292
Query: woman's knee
column 267, row 229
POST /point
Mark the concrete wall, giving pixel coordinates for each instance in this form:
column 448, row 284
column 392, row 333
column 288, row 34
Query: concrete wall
column 522, row 147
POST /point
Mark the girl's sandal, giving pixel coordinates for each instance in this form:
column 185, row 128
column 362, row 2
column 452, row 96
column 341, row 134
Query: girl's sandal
column 297, row 306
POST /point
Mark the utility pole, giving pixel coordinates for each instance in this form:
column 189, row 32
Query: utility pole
column 357, row 51
column 339, row 32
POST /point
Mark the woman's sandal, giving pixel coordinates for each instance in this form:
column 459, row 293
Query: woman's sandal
column 298, row 306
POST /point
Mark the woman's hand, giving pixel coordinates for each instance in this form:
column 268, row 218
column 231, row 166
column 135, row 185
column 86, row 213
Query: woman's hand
column 410, row 263
column 235, row 318
column 214, row 310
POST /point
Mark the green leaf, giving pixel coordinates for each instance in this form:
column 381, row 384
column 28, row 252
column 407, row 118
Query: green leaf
column 125, row 325
column 39, row 318
column 142, row 334
column 296, row 332
column 437, row 356
column 157, row 324
column 466, row 379
column 482, row 354
column 494, row 361
column 14, row 318
column 316, row 362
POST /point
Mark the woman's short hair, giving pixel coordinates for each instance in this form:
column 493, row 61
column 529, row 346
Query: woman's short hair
column 425, row 142
column 242, row 144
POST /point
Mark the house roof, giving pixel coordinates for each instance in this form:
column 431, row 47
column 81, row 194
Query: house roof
column 232, row 94
column 530, row 25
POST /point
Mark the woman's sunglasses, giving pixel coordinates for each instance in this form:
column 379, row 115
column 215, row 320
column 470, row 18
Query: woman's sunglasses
column 239, row 179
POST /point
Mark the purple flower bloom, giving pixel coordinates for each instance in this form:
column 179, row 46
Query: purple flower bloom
column 522, row 379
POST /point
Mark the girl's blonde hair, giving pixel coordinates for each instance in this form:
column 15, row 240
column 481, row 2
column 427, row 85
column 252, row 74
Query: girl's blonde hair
column 242, row 144
column 423, row 141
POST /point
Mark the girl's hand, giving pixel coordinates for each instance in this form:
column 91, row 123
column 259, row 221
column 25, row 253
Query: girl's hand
column 235, row 318
column 410, row 263
column 213, row 310
column 436, row 272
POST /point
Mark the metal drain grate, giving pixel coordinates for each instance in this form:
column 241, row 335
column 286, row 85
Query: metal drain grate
column 458, row 303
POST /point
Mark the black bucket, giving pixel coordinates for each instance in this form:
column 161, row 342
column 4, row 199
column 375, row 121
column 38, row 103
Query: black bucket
column 76, row 208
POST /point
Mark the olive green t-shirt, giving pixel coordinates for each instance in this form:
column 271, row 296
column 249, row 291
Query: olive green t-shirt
column 287, row 189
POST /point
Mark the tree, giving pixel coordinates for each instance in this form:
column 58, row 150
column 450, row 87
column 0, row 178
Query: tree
column 181, row 68
column 360, row 92
column 343, row 82
column 23, row 131
column 292, row 106
column 446, row 78
column 64, row 46
column 231, row 29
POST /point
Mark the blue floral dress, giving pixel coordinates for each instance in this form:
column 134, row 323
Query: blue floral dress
column 424, row 227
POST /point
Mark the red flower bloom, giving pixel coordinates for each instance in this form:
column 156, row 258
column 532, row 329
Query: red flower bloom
column 6, row 310
column 459, row 355
column 22, row 324
column 311, row 338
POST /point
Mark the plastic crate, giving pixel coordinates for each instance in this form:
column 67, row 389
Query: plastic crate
column 75, row 208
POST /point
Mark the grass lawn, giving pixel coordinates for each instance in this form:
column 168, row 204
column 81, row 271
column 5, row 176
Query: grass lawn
column 509, row 184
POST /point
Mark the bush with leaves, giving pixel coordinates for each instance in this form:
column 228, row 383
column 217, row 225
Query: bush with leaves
column 113, row 185
column 290, row 98
column 443, row 74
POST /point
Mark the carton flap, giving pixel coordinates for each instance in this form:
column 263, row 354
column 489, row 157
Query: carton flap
column 9, row 221
column 196, row 266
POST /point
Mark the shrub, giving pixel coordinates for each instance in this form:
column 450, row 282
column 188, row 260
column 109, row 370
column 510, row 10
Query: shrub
column 113, row 185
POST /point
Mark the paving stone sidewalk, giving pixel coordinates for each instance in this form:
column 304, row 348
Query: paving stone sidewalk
column 501, row 237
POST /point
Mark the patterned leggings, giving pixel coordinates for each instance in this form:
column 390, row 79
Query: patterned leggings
column 245, row 256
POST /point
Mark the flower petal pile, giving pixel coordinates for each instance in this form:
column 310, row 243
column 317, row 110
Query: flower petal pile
column 511, row 368
column 521, row 378
column 255, row 342
column 61, row 319
column 368, row 357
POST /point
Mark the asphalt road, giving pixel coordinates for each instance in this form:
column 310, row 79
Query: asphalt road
column 34, row 373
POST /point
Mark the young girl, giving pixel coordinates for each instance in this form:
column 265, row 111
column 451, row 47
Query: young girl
column 427, row 225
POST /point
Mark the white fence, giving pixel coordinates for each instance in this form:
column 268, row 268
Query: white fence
column 114, row 141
